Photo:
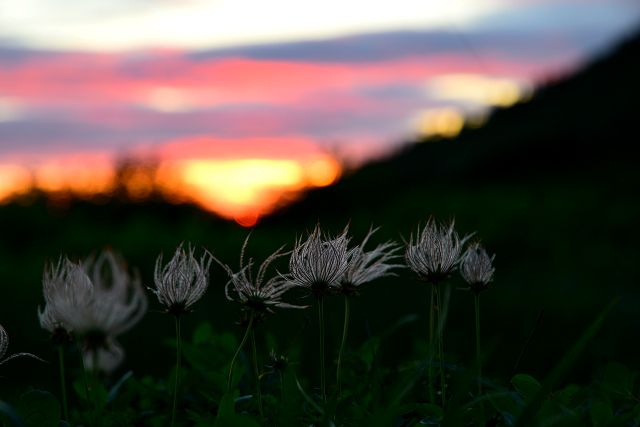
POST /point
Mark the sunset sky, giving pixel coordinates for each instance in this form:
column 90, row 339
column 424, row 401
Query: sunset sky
column 240, row 102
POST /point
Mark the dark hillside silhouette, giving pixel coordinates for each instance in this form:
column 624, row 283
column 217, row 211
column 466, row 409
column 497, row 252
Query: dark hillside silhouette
column 586, row 124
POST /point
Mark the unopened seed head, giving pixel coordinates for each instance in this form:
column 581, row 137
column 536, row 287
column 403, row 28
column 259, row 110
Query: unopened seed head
column 476, row 267
column 435, row 251
column 182, row 281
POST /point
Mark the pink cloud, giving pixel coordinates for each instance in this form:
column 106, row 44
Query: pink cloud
column 286, row 147
column 105, row 79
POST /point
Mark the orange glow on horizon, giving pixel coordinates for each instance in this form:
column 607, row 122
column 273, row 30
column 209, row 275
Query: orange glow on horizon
column 242, row 189
column 80, row 176
column 14, row 180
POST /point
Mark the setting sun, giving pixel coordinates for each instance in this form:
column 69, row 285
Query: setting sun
column 242, row 189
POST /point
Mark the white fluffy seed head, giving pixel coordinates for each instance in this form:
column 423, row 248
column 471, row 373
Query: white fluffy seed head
column 97, row 300
column 435, row 252
column 365, row 266
column 183, row 281
column 319, row 263
column 476, row 267
column 66, row 289
column 256, row 293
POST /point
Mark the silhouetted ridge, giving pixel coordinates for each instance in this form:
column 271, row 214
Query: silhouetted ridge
column 583, row 124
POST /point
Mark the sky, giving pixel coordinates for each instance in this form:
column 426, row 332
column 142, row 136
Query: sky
column 239, row 105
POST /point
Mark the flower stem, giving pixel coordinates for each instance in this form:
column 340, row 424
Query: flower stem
column 479, row 365
column 432, row 392
column 478, row 359
column 178, row 363
column 323, row 379
column 235, row 356
column 63, row 384
column 345, row 331
column 87, row 390
column 256, row 372
column 440, row 320
column 281, row 374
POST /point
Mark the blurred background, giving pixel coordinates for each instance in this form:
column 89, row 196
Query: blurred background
column 136, row 125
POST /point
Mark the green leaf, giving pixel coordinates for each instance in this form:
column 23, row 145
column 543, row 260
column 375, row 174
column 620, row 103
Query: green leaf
column 39, row 409
column 431, row 414
column 227, row 416
column 113, row 393
column 309, row 400
column 618, row 379
column 97, row 393
column 203, row 334
column 11, row 414
column 528, row 415
column 568, row 395
column 601, row 413
column 526, row 385
column 506, row 402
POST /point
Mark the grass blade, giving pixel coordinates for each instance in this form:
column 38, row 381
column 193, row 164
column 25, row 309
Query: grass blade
column 527, row 416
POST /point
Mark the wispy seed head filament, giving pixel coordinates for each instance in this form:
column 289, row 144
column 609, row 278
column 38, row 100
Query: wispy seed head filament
column 319, row 263
column 182, row 281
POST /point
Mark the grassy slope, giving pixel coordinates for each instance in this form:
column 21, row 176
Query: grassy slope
column 548, row 186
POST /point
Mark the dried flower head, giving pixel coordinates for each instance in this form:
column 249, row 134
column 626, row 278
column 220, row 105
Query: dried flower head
column 97, row 301
column 476, row 267
column 4, row 346
column 436, row 251
column 256, row 293
column 183, row 281
column 319, row 262
column 277, row 362
column 367, row 266
column 66, row 289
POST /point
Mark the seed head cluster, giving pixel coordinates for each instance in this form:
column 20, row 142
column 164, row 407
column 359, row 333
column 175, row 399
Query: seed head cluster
column 257, row 294
column 476, row 267
column 96, row 300
column 183, row 281
column 319, row 263
column 435, row 252
column 366, row 266
column 66, row 289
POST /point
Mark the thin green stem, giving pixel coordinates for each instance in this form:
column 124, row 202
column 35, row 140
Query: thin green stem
column 440, row 341
column 176, row 384
column 323, row 378
column 478, row 359
column 63, row 383
column 432, row 392
column 345, row 331
column 478, row 362
column 235, row 356
column 94, row 365
column 281, row 374
column 256, row 372
column 87, row 390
